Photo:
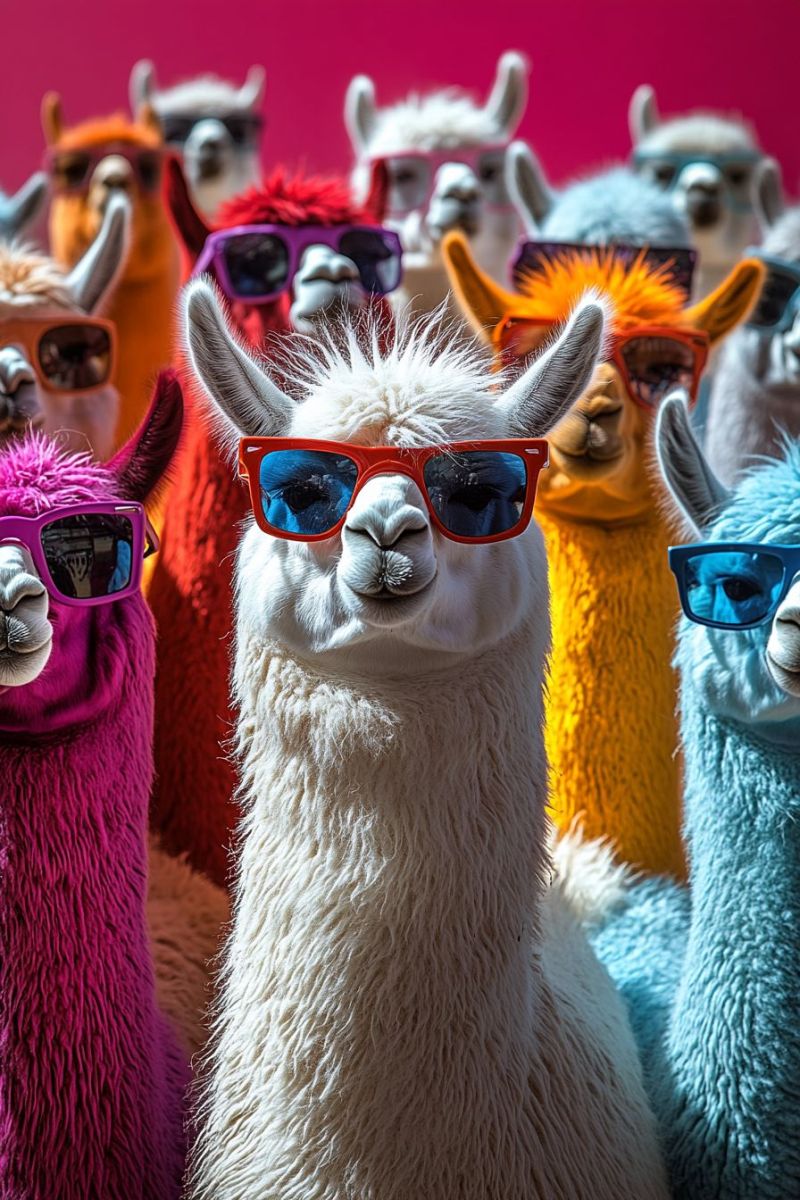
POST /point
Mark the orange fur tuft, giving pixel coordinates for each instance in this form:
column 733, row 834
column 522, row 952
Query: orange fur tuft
column 100, row 130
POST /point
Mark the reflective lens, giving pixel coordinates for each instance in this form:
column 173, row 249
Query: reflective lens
column 243, row 129
column 655, row 365
column 257, row 264
column 71, row 170
column 75, row 357
column 779, row 287
column 89, row 555
column 306, row 491
column 377, row 259
column 476, row 494
column 177, row 128
column 733, row 588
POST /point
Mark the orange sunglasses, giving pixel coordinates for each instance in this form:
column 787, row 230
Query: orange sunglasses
column 651, row 359
column 69, row 354
column 476, row 491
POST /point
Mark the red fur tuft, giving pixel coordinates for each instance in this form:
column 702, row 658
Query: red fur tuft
column 295, row 200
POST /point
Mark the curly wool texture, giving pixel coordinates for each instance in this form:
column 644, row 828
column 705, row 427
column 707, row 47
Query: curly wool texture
column 615, row 205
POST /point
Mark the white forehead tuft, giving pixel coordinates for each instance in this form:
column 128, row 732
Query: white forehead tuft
column 441, row 121
column 206, row 94
column 701, row 133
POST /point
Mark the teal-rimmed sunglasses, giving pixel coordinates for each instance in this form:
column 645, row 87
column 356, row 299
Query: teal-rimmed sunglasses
column 736, row 169
column 779, row 302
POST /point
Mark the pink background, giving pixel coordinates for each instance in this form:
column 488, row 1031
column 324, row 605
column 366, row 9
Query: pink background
column 587, row 56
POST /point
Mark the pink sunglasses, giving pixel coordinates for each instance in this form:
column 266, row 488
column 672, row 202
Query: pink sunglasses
column 411, row 176
column 86, row 553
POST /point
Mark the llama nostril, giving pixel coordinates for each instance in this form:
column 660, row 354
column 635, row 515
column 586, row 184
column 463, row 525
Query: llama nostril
column 21, row 587
column 703, row 205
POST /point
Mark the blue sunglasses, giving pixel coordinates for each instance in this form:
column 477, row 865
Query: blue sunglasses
column 779, row 301
column 735, row 168
column 733, row 585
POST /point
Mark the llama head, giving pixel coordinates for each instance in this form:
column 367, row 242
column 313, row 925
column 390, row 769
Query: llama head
column 214, row 125
column 55, row 368
column 444, row 155
column 17, row 211
column 714, row 171
column 389, row 579
column 751, row 676
column 61, row 665
column 325, row 279
column 614, row 205
column 90, row 163
column 598, row 453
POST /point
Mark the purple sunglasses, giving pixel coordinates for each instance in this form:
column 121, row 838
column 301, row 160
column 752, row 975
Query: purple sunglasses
column 533, row 256
column 257, row 263
column 86, row 553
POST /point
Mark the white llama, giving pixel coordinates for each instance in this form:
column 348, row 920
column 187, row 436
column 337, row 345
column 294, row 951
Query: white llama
column 718, row 177
column 408, row 1010
column 444, row 156
column 214, row 124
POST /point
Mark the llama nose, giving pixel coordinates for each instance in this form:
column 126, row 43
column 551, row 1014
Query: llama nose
column 322, row 264
column 15, row 370
column 114, row 174
column 703, row 204
column 21, row 586
column 385, row 526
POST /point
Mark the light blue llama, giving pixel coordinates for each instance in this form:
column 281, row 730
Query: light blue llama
column 19, row 210
column 713, row 983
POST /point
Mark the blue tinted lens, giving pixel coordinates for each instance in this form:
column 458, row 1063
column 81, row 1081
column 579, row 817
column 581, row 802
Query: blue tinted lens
column 306, row 491
column 733, row 588
column 477, row 493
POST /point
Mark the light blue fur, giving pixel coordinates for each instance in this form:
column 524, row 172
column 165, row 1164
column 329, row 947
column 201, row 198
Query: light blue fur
column 614, row 205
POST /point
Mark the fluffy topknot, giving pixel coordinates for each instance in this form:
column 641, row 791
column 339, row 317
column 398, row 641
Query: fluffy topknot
column 284, row 199
column 36, row 476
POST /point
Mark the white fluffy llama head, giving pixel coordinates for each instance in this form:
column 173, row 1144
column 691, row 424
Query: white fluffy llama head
column 214, row 124
column 445, row 160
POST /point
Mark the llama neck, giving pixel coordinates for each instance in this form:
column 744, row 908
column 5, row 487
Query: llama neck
column 611, row 731
column 90, row 1081
column 734, row 1046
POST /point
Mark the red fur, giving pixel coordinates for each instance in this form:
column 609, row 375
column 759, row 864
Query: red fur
column 285, row 199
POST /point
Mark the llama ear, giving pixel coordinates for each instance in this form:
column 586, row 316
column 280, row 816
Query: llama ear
column 191, row 227
column 92, row 279
column 694, row 486
column 541, row 396
column 527, row 186
column 52, row 118
column 243, row 393
column 643, row 115
column 509, row 93
column 142, row 463
column 721, row 310
column 17, row 211
column 360, row 112
column 768, row 193
column 142, row 87
column 147, row 116
column 251, row 93
column 482, row 300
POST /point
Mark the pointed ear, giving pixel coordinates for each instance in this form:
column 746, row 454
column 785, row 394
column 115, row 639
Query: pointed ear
column 509, row 93
column 147, row 116
column 768, row 193
column 694, row 486
column 141, row 464
column 527, row 186
column 243, row 393
column 52, row 118
column 94, row 276
column 721, row 310
column 483, row 301
column 540, row 397
column 360, row 112
column 17, row 211
column 643, row 115
column 142, row 86
column 251, row 93
column 191, row 227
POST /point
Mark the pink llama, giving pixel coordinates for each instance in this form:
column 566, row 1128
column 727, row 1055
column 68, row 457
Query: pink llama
column 92, row 1079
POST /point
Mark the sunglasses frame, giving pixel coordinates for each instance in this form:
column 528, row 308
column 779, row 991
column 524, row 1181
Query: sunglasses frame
column 254, row 121
column 27, row 531
column 468, row 156
column 391, row 460
column 697, row 340
column 95, row 155
column 641, row 158
column 35, row 329
column 519, row 270
column 785, row 267
column 679, row 557
column 296, row 238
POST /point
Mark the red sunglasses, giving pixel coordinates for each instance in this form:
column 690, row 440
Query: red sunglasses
column 71, row 170
column 652, row 359
column 476, row 491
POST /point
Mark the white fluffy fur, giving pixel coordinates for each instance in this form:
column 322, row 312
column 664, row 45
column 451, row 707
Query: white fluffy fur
column 408, row 1009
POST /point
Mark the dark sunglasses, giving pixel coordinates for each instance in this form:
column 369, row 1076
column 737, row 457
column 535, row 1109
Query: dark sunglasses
column 479, row 491
column 86, row 553
column 74, row 355
column 532, row 257
column 779, row 301
column 257, row 263
column 733, row 585
column 71, row 170
column 735, row 170
column 243, row 130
